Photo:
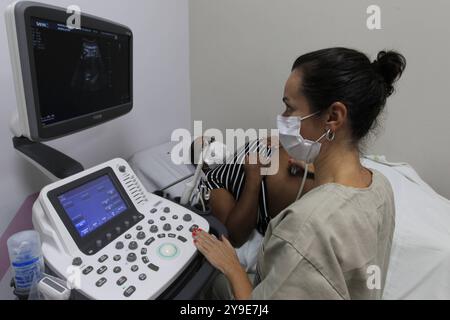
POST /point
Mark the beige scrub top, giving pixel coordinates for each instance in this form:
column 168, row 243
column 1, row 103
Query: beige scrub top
column 334, row 243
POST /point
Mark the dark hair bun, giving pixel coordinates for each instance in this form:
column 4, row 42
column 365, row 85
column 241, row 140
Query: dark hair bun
column 348, row 76
column 390, row 65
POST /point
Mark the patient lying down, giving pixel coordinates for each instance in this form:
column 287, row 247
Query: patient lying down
column 243, row 199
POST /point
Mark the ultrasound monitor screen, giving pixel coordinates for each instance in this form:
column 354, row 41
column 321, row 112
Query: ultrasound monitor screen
column 92, row 205
column 79, row 71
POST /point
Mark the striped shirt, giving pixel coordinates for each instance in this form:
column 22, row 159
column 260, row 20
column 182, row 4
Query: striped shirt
column 231, row 177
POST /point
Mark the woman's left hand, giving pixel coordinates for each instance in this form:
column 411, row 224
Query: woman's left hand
column 220, row 253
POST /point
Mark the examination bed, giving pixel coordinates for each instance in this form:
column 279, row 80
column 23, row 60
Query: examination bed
column 420, row 256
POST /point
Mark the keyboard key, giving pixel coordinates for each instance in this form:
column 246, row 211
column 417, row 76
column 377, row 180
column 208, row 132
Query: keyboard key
column 141, row 235
column 88, row 270
column 121, row 281
column 149, row 241
column 129, row 291
column 133, row 245
column 194, row 227
column 119, row 245
column 103, row 258
column 100, row 282
column 102, row 269
column 77, row 262
column 131, row 257
column 153, row 267
column 142, row 276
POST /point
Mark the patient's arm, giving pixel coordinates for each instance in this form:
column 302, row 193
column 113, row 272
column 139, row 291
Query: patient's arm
column 243, row 218
column 240, row 217
column 222, row 203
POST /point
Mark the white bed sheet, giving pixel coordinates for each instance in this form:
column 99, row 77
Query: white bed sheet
column 420, row 256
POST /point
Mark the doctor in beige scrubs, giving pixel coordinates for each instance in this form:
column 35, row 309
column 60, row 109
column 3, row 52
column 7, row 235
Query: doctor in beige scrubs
column 335, row 242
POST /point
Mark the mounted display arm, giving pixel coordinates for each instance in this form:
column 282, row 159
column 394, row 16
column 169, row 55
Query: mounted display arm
column 53, row 163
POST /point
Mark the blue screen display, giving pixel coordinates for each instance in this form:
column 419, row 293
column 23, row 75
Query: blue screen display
column 92, row 204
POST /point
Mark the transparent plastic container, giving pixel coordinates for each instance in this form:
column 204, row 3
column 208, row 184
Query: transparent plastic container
column 26, row 259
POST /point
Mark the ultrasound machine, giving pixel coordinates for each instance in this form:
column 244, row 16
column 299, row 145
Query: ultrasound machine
column 99, row 227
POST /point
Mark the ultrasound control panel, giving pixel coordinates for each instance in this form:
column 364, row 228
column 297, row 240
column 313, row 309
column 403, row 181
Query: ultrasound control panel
column 111, row 239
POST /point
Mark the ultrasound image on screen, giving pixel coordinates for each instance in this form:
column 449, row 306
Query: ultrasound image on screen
column 90, row 74
column 79, row 72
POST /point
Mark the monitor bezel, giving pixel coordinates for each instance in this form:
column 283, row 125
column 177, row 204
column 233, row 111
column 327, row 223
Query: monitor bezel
column 87, row 244
column 24, row 12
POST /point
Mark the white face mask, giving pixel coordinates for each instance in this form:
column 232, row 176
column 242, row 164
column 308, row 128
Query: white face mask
column 296, row 146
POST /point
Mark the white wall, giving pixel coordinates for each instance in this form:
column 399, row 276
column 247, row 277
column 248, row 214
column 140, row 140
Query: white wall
column 161, row 95
column 242, row 52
